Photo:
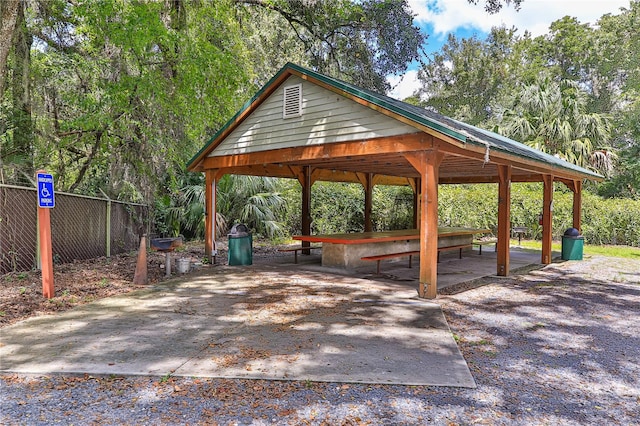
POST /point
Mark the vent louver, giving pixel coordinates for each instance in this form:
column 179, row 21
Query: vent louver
column 292, row 106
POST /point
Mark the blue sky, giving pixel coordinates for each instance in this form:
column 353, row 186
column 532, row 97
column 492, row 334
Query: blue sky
column 438, row 18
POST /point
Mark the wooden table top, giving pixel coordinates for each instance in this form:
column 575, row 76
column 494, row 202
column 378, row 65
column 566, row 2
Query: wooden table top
column 385, row 236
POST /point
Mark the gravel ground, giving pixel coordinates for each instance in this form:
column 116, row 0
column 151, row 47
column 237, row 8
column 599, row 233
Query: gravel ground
column 557, row 346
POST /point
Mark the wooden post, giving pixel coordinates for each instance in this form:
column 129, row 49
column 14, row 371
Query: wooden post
column 107, row 225
column 416, row 203
column 44, row 232
column 210, row 247
column 46, row 253
column 108, row 230
column 577, row 204
column 368, row 202
column 547, row 218
column 427, row 164
column 504, row 219
column 306, row 183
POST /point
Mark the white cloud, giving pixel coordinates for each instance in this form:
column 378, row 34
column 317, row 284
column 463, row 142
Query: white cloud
column 403, row 86
column 535, row 15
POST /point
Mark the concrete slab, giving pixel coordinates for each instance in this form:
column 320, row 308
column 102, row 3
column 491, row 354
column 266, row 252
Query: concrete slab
column 262, row 321
column 452, row 271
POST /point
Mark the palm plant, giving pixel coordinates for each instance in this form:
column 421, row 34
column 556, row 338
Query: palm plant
column 253, row 201
column 247, row 199
column 552, row 117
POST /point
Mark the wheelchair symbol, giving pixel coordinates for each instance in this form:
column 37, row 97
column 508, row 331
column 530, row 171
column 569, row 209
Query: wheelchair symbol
column 45, row 192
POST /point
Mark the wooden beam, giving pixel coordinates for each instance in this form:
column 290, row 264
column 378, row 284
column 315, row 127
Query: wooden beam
column 379, row 179
column 476, row 151
column 427, row 163
column 375, row 146
column 306, row 206
column 504, row 219
column 489, row 178
column 270, row 170
column 547, row 218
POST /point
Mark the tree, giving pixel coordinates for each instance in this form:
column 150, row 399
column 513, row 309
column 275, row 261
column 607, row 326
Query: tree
column 464, row 78
column 127, row 90
column 494, row 6
column 16, row 137
column 552, row 117
column 362, row 42
column 622, row 66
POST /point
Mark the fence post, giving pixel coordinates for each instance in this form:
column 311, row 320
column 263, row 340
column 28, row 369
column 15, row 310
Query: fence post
column 108, row 225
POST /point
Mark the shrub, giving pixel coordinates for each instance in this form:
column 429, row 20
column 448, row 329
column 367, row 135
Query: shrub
column 604, row 221
column 338, row 207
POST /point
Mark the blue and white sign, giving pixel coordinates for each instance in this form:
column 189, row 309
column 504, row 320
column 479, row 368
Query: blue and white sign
column 46, row 198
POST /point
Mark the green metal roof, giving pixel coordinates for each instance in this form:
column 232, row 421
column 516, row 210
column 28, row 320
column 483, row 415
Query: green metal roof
column 453, row 128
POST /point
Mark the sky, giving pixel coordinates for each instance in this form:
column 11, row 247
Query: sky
column 439, row 18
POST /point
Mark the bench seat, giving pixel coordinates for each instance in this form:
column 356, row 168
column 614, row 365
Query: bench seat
column 456, row 247
column 295, row 250
column 380, row 257
column 481, row 243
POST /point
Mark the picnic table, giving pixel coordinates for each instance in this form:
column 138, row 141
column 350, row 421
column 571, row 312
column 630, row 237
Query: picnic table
column 347, row 250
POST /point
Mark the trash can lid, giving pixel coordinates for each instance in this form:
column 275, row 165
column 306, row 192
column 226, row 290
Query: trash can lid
column 238, row 230
column 571, row 232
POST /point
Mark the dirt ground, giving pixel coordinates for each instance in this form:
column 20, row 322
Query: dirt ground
column 84, row 281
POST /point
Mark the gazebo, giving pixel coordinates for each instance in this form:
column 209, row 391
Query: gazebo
column 308, row 126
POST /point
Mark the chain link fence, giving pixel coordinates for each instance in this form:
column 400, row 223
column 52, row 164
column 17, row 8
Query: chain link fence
column 81, row 228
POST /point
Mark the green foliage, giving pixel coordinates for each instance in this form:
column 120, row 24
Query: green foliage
column 604, row 221
column 468, row 205
column 552, row 117
column 124, row 92
column 612, row 221
column 359, row 41
column 464, row 78
column 626, row 180
column 572, row 92
column 392, row 208
column 337, row 207
column 253, row 201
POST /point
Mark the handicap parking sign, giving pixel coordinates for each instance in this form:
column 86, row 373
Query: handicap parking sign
column 46, row 197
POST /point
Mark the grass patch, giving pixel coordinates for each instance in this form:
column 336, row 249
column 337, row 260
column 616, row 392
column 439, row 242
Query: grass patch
column 627, row 252
column 480, row 342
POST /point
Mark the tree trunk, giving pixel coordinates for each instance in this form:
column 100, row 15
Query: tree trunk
column 22, row 121
column 8, row 17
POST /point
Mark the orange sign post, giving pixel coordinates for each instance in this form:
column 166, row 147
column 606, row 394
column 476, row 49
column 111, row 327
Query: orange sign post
column 46, row 201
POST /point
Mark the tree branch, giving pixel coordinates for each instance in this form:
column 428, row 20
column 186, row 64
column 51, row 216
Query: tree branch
column 87, row 162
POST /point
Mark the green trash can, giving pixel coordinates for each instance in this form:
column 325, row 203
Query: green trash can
column 572, row 245
column 240, row 245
